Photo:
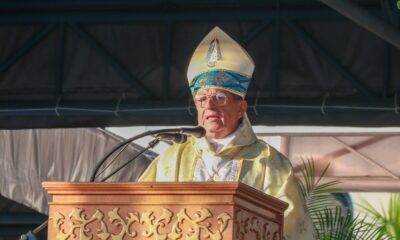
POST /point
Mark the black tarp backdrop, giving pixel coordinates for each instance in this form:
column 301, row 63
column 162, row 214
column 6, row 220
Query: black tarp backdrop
column 90, row 64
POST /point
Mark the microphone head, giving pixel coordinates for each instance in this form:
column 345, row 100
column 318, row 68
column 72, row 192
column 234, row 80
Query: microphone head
column 197, row 132
column 172, row 137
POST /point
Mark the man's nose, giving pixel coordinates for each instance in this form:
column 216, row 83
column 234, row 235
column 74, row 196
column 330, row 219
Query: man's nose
column 209, row 103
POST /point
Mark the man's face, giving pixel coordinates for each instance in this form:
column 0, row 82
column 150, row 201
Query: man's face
column 219, row 119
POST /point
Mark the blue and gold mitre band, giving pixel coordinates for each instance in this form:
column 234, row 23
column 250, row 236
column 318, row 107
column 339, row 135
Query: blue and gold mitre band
column 230, row 81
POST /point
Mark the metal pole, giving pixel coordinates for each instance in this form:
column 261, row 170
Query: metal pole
column 366, row 20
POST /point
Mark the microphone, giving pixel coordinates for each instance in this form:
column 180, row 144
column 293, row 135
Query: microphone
column 172, row 137
column 197, row 132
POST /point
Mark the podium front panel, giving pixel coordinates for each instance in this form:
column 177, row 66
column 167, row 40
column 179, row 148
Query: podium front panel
column 122, row 211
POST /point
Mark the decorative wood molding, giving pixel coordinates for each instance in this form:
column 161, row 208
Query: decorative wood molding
column 158, row 227
column 251, row 226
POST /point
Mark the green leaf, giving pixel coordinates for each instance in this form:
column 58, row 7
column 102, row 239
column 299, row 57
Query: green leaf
column 333, row 222
column 388, row 220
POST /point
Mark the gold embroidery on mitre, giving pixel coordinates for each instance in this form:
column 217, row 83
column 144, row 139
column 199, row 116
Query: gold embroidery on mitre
column 214, row 53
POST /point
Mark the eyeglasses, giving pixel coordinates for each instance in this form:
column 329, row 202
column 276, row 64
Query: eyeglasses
column 218, row 98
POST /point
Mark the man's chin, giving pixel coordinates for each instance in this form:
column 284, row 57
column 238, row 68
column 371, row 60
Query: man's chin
column 213, row 128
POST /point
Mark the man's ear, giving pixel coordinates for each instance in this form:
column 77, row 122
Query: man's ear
column 242, row 108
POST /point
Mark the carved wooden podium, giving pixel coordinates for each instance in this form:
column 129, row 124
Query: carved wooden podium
column 162, row 211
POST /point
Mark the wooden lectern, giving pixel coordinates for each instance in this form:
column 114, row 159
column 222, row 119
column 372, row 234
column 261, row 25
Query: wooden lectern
column 162, row 211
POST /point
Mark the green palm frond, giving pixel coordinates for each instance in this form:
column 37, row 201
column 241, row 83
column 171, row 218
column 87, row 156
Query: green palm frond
column 316, row 195
column 388, row 220
column 331, row 221
column 334, row 224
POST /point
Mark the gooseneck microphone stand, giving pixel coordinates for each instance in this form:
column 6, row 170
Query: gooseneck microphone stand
column 178, row 135
column 122, row 146
column 152, row 144
column 170, row 135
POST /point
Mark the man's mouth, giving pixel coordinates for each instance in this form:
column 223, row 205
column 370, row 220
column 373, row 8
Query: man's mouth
column 212, row 117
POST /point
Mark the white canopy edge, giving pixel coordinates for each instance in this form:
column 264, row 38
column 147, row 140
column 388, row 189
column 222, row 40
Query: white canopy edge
column 323, row 130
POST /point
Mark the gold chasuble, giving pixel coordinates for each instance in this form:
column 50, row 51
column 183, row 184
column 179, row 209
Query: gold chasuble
column 260, row 166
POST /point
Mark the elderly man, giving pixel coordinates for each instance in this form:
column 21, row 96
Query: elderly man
column 219, row 74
